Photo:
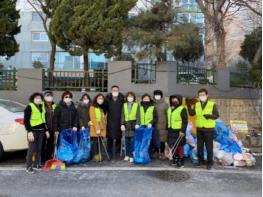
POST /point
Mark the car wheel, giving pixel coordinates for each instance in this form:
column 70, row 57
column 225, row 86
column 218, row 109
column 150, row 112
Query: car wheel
column 1, row 151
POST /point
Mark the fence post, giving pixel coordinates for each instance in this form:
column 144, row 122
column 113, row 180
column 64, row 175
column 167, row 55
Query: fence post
column 14, row 79
column 222, row 79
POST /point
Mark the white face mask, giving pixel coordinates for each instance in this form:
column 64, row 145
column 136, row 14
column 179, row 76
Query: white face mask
column 37, row 101
column 67, row 100
column 86, row 101
column 49, row 98
column 130, row 99
column 203, row 98
column 157, row 97
column 100, row 101
column 115, row 94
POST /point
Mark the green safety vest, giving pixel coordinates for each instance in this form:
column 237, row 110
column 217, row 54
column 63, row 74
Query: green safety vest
column 132, row 115
column 174, row 118
column 37, row 117
column 201, row 121
column 146, row 117
column 98, row 114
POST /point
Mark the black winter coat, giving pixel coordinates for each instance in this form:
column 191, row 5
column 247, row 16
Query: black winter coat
column 65, row 117
column 114, row 111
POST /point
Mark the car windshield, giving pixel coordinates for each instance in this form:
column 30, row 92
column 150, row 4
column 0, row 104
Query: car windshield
column 12, row 106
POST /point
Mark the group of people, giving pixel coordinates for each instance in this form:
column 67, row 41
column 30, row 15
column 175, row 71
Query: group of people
column 114, row 117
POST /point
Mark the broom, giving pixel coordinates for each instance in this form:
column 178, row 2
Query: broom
column 54, row 164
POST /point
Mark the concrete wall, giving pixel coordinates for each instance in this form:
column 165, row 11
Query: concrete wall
column 233, row 103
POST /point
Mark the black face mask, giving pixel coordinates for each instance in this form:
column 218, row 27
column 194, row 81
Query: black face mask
column 147, row 103
column 174, row 104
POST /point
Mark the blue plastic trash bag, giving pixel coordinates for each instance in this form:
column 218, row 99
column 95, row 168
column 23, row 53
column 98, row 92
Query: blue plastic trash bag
column 142, row 141
column 84, row 147
column 67, row 146
column 225, row 137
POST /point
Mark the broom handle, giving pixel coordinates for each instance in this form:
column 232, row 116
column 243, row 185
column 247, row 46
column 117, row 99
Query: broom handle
column 55, row 147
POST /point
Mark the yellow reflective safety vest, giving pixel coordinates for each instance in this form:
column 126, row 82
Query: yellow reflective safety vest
column 201, row 121
column 146, row 117
column 174, row 118
column 37, row 117
column 98, row 114
column 132, row 114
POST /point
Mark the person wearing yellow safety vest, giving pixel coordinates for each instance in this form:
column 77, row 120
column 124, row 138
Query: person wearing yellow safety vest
column 48, row 143
column 206, row 114
column 129, row 121
column 148, row 117
column 35, row 124
column 98, row 128
column 177, row 121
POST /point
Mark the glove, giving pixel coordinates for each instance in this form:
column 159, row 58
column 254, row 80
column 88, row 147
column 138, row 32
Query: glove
column 82, row 128
column 98, row 131
column 149, row 125
column 207, row 116
column 90, row 123
column 123, row 128
column 181, row 134
column 47, row 135
column 74, row 129
column 56, row 133
column 137, row 126
column 30, row 137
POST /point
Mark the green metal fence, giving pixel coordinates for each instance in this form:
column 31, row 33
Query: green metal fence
column 240, row 80
column 96, row 80
column 195, row 75
column 144, row 73
column 8, row 79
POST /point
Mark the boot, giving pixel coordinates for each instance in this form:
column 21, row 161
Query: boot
column 180, row 163
column 175, row 161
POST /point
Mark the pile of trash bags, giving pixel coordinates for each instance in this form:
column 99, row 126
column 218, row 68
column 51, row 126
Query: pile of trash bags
column 228, row 149
column 74, row 147
column 142, row 141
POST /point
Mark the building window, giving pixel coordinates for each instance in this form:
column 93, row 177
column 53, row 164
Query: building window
column 39, row 36
column 36, row 17
column 41, row 57
column 64, row 61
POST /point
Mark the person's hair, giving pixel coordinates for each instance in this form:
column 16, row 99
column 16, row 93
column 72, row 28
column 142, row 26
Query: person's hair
column 95, row 103
column 158, row 92
column 202, row 90
column 83, row 95
column 34, row 95
column 130, row 93
column 65, row 94
column 115, row 86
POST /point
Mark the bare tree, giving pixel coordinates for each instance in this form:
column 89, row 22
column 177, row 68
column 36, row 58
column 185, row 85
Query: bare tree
column 216, row 12
column 45, row 9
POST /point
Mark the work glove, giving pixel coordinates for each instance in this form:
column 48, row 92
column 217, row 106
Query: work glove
column 90, row 123
column 137, row 126
column 207, row 116
column 149, row 125
column 30, row 137
column 82, row 128
column 98, row 131
column 181, row 134
column 123, row 128
column 75, row 129
column 47, row 135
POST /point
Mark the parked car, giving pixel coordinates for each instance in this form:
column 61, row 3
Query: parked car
column 13, row 135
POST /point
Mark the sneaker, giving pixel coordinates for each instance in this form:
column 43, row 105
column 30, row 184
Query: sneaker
column 37, row 167
column 30, row 170
column 180, row 163
column 131, row 160
column 126, row 158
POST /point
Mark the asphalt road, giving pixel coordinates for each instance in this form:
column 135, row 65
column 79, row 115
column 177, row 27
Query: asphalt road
column 117, row 178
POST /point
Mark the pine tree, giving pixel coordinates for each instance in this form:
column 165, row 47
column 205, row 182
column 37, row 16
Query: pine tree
column 91, row 25
column 8, row 28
